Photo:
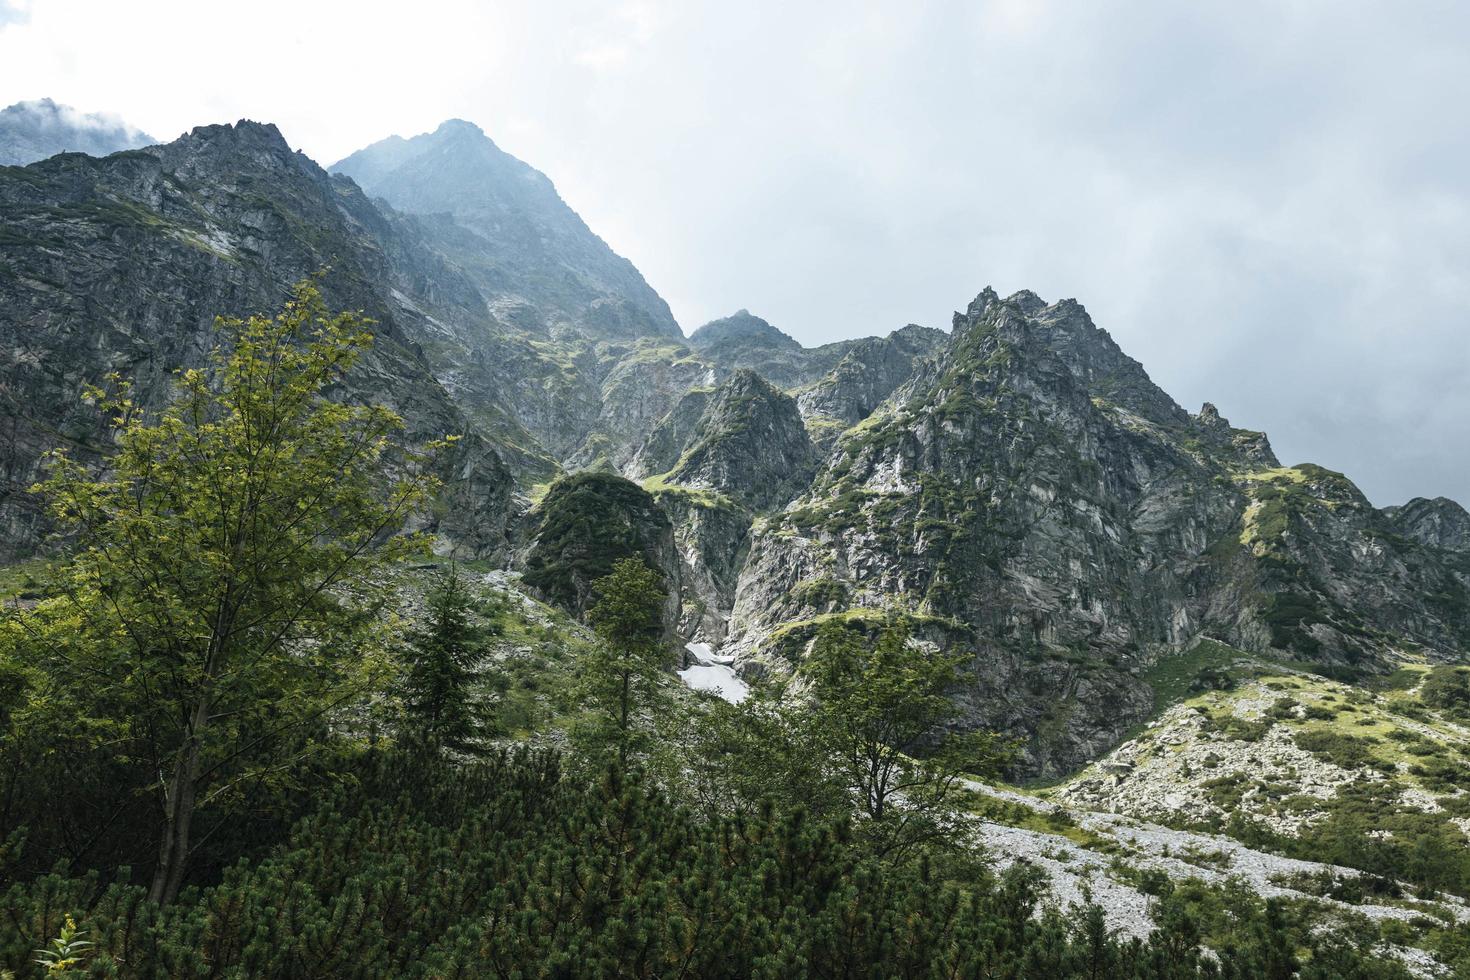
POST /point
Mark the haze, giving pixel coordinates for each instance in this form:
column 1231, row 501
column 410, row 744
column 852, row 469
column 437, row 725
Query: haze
column 1265, row 203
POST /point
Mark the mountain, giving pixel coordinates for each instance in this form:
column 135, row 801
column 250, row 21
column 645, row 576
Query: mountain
column 870, row 370
column 1439, row 523
column 121, row 263
column 31, row 131
column 1226, row 670
column 538, row 263
column 1016, row 489
column 1032, row 497
column 746, row 341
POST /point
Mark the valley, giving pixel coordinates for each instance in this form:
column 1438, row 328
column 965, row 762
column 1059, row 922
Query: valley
column 1219, row 680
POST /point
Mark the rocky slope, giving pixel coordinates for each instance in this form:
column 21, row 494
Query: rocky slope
column 1017, row 489
column 870, row 370
column 743, row 340
column 581, row 350
column 1439, row 523
column 538, row 264
column 1031, row 496
column 31, row 131
column 122, row 263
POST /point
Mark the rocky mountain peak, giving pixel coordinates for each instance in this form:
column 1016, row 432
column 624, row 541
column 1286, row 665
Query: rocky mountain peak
column 460, row 127
column 750, row 444
column 978, row 305
column 740, row 327
column 1437, row 521
column 246, row 132
column 244, row 147
column 743, row 340
column 870, row 371
column 1029, row 302
column 535, row 261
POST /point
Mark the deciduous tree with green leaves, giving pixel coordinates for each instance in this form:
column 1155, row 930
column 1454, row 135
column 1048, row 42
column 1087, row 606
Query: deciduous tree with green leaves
column 220, row 597
column 881, row 711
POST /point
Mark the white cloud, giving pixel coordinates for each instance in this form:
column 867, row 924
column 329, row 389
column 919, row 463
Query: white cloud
column 14, row 12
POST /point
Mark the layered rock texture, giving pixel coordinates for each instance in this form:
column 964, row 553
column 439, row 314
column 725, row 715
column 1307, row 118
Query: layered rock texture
column 1016, row 489
column 1030, row 495
column 121, row 264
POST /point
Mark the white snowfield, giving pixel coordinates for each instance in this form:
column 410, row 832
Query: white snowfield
column 712, row 672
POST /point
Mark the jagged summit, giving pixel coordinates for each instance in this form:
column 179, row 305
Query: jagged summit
column 749, row 444
column 244, row 136
column 740, row 327
column 35, row 130
column 1436, row 521
column 244, row 130
column 536, row 261
column 461, row 127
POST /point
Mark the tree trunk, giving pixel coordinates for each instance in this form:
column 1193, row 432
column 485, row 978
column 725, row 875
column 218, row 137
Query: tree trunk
column 623, row 712
column 173, row 846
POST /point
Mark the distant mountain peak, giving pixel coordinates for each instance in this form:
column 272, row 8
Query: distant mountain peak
column 742, row 326
column 244, row 131
column 41, row 128
column 454, row 127
column 527, row 248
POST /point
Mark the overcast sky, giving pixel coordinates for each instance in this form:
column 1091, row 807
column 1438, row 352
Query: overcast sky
column 1268, row 204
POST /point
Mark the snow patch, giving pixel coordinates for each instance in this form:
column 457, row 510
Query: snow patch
column 712, row 672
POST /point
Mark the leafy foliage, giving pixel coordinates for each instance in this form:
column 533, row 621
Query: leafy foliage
column 620, row 675
column 877, row 705
column 204, row 627
column 506, row 868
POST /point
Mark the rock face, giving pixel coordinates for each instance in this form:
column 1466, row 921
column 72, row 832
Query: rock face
column 1018, row 489
column 1439, row 523
column 576, row 351
column 538, row 264
column 749, row 444
column 31, row 131
column 867, row 374
column 121, row 264
column 727, row 454
column 746, row 341
column 1031, row 495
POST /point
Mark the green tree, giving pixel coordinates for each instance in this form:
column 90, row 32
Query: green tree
column 762, row 750
column 440, row 705
column 880, row 709
column 621, row 675
column 217, row 601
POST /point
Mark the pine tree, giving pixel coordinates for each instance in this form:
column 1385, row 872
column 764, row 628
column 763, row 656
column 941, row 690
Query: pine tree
column 440, row 706
column 621, row 677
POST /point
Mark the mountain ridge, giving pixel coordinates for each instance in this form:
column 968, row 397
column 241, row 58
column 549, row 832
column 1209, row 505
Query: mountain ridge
column 1017, row 488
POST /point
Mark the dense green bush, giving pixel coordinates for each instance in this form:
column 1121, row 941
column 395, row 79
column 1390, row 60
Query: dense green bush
column 1447, row 689
column 588, row 522
column 416, row 868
